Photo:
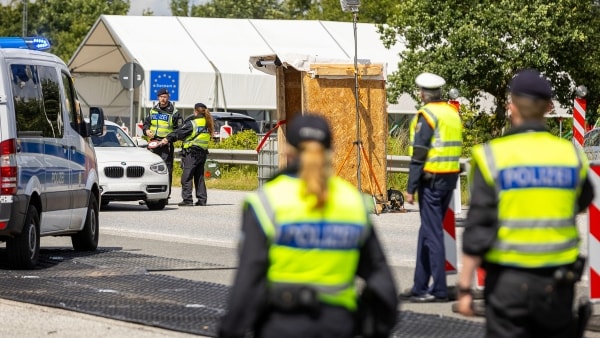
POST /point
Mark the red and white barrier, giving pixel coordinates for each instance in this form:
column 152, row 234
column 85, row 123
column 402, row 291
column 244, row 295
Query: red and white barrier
column 450, row 239
column 579, row 106
column 594, row 236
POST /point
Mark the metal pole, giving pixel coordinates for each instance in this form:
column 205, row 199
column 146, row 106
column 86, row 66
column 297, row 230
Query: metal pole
column 131, row 91
column 24, row 18
column 358, row 141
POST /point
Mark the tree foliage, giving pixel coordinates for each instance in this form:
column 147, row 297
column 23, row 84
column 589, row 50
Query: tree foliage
column 242, row 9
column 330, row 10
column 477, row 46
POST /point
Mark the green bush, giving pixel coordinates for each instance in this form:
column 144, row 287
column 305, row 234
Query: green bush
column 244, row 140
column 233, row 176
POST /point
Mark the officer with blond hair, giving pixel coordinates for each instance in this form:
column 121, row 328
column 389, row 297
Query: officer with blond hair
column 306, row 236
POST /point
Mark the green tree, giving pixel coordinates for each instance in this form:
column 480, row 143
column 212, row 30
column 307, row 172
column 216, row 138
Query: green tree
column 180, row 7
column 477, row 46
column 64, row 23
column 241, row 9
column 330, row 10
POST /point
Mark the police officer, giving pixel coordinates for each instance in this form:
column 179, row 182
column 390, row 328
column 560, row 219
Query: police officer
column 526, row 190
column 305, row 235
column 436, row 146
column 163, row 119
column 195, row 133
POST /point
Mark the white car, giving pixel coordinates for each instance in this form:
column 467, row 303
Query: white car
column 128, row 172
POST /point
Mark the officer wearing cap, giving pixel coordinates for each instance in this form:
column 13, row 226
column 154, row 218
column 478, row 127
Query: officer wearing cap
column 435, row 149
column 306, row 235
column 195, row 133
column 526, row 190
column 163, row 119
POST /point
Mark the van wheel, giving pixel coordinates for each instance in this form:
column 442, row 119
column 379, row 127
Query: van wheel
column 87, row 238
column 156, row 205
column 24, row 250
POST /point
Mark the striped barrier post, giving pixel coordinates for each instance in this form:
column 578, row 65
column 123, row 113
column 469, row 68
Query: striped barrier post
column 449, row 225
column 454, row 207
column 594, row 235
column 579, row 107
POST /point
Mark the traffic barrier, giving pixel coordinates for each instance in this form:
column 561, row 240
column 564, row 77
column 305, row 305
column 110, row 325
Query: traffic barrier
column 449, row 225
column 594, row 236
column 579, row 107
column 225, row 131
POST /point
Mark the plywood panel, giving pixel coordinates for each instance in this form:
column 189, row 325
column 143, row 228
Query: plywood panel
column 335, row 100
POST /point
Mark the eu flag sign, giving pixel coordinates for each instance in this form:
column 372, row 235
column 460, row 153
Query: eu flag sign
column 164, row 79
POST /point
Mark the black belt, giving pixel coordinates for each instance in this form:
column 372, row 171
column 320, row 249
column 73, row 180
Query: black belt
column 195, row 150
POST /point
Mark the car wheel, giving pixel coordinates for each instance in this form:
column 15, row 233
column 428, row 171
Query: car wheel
column 87, row 238
column 24, row 250
column 156, row 205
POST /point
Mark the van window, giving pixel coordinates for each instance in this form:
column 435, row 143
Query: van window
column 51, row 100
column 27, row 100
column 36, row 98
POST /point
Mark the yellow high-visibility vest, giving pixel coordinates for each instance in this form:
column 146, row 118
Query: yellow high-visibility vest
column 313, row 247
column 446, row 142
column 161, row 123
column 199, row 136
column 537, row 189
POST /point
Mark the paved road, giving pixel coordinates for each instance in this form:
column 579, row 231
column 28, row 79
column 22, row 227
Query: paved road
column 207, row 234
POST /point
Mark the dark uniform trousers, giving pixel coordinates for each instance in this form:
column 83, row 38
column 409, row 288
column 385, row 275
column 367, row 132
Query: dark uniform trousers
column 192, row 163
column 431, row 256
column 528, row 303
column 166, row 153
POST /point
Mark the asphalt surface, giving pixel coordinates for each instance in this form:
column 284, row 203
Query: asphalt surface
column 207, row 234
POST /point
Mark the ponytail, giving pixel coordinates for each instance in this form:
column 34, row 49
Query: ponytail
column 210, row 125
column 315, row 171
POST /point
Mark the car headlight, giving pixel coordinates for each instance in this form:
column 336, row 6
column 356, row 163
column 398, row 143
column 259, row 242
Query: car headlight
column 159, row 168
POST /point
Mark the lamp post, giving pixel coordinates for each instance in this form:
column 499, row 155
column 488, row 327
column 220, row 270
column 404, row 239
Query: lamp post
column 352, row 6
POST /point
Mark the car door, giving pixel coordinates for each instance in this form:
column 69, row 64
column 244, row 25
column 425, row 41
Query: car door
column 79, row 169
column 59, row 151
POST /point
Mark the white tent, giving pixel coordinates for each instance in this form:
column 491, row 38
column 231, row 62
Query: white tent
column 207, row 59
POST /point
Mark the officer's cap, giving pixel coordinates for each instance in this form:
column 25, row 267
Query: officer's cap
column 530, row 83
column 309, row 127
column 199, row 105
column 429, row 81
column 162, row 91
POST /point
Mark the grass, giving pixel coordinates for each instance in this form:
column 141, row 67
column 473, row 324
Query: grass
column 245, row 177
column 233, row 177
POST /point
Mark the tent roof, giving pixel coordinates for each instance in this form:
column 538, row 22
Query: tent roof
column 212, row 54
column 214, row 57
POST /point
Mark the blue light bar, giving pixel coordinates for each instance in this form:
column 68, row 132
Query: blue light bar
column 33, row 43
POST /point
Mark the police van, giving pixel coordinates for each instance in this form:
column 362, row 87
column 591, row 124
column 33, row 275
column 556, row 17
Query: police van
column 48, row 176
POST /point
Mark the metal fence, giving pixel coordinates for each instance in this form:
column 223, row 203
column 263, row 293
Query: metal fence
column 395, row 163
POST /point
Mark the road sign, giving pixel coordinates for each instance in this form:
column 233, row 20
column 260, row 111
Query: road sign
column 164, row 79
column 125, row 75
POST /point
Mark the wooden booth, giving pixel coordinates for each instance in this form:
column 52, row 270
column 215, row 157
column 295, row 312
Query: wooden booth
column 327, row 88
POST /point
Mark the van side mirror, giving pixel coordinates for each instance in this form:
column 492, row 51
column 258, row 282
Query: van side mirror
column 96, row 125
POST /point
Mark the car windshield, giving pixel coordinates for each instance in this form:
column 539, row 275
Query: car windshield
column 114, row 137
